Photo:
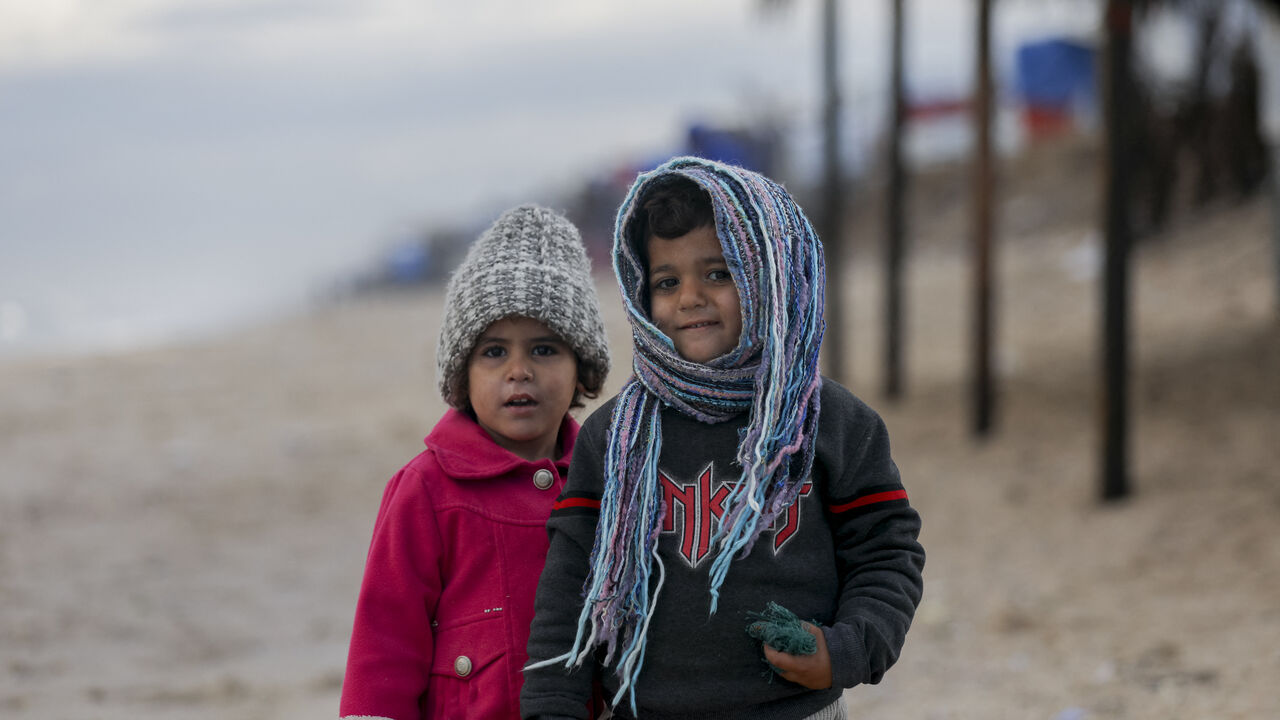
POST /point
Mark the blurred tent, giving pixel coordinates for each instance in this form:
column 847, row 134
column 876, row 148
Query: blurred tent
column 752, row 148
column 1055, row 78
column 408, row 262
column 418, row 259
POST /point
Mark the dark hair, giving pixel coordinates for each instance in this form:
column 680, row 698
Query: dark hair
column 671, row 207
column 592, row 381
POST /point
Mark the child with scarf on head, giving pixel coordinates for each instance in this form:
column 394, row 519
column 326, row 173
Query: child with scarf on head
column 726, row 479
column 443, row 617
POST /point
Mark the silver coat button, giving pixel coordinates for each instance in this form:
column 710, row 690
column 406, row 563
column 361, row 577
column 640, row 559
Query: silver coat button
column 462, row 666
column 543, row 479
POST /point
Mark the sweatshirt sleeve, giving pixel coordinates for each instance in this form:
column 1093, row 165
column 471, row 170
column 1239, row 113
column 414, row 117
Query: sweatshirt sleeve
column 554, row 691
column 879, row 558
column 388, row 664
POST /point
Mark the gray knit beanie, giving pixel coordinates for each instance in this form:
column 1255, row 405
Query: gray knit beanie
column 530, row 262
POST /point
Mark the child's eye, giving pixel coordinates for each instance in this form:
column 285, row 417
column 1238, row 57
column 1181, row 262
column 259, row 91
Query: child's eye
column 664, row 284
column 544, row 350
column 719, row 275
column 493, row 351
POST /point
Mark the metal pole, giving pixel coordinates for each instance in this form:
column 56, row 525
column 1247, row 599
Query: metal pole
column 896, row 221
column 983, row 388
column 1115, row 287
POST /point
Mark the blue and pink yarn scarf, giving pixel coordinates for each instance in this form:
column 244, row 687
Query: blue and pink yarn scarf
column 776, row 262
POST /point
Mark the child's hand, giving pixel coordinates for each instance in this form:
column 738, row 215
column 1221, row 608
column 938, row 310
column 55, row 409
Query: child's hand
column 811, row 671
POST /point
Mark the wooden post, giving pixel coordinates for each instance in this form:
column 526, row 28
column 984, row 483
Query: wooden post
column 983, row 179
column 1115, row 286
column 895, row 223
column 837, row 361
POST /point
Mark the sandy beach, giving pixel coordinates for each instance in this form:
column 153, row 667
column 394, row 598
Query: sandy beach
column 183, row 529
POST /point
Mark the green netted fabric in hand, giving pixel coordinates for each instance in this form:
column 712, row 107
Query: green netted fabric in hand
column 780, row 629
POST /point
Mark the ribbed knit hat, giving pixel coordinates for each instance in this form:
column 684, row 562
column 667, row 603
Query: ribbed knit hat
column 531, row 263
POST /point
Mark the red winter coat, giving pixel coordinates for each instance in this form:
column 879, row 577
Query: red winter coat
column 444, row 611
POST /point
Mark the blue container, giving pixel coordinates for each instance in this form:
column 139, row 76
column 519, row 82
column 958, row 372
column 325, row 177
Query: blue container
column 1056, row 73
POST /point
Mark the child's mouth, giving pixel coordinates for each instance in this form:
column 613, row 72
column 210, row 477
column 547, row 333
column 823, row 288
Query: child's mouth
column 521, row 401
column 699, row 325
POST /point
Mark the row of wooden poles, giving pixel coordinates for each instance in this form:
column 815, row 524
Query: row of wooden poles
column 1117, row 93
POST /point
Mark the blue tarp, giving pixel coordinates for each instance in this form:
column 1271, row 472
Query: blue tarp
column 753, row 151
column 1056, row 72
column 408, row 263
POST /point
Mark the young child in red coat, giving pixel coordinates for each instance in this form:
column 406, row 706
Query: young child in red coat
column 444, row 610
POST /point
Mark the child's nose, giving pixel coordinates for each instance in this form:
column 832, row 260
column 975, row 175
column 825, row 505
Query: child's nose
column 691, row 296
column 519, row 369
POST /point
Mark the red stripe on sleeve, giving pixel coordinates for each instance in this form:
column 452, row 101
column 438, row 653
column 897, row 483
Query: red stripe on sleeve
column 576, row 502
column 871, row 500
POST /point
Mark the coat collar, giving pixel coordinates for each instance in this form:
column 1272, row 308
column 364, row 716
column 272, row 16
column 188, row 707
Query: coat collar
column 466, row 452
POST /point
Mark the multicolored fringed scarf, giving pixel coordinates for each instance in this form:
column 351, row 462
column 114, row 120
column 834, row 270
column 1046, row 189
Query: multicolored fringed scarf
column 776, row 262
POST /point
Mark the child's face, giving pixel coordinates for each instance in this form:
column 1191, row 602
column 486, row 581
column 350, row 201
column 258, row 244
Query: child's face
column 521, row 380
column 692, row 296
